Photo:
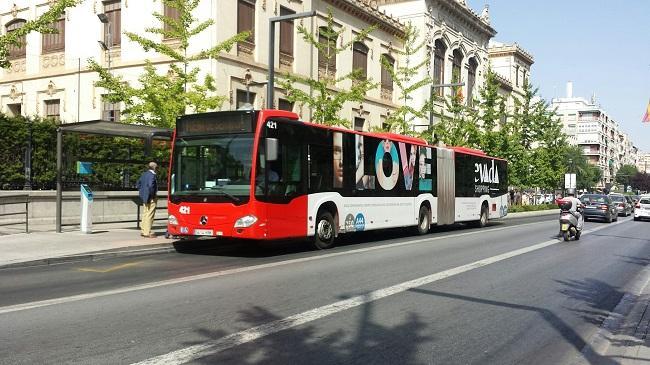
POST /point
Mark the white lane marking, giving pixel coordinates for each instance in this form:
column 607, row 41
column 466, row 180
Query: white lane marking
column 156, row 284
column 195, row 352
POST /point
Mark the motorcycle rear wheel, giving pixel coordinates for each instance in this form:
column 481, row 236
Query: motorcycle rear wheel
column 566, row 236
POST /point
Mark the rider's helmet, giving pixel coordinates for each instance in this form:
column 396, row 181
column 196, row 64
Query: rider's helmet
column 571, row 192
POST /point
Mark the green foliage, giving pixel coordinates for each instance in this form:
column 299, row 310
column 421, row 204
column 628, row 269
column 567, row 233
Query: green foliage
column 160, row 97
column 325, row 100
column 641, row 181
column 625, row 174
column 531, row 208
column 587, row 175
column 459, row 127
column 405, row 79
column 104, row 151
column 42, row 25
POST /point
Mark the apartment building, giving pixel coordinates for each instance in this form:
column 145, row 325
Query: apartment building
column 596, row 132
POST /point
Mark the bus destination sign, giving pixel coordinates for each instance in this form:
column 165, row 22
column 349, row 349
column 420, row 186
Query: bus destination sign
column 215, row 123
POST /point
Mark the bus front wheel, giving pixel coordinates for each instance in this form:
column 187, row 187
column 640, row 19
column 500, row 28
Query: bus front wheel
column 325, row 231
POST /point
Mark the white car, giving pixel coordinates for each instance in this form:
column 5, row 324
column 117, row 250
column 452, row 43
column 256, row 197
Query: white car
column 642, row 208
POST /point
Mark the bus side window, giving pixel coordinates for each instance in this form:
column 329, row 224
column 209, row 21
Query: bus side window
column 321, row 174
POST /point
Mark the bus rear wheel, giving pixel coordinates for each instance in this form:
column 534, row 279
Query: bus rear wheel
column 483, row 218
column 424, row 220
column 325, row 231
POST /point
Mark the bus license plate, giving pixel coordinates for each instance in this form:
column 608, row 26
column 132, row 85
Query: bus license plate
column 203, row 232
column 565, row 227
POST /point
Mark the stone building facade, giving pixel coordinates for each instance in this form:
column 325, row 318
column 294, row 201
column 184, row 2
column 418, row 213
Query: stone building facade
column 512, row 65
column 457, row 44
column 49, row 77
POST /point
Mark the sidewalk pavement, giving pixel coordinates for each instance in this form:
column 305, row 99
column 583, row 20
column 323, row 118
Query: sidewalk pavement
column 43, row 246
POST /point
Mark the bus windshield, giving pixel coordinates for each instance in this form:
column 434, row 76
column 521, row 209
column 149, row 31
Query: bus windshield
column 214, row 169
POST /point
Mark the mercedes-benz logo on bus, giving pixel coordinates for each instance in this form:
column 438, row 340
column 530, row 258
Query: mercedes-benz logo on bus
column 203, row 220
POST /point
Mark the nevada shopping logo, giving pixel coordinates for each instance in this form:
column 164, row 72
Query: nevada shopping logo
column 487, row 173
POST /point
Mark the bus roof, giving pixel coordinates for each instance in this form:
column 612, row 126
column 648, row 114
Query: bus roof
column 384, row 135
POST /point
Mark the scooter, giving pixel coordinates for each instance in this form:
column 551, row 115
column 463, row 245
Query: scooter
column 569, row 224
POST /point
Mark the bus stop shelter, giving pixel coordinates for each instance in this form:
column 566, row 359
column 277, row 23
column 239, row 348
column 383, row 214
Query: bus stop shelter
column 107, row 129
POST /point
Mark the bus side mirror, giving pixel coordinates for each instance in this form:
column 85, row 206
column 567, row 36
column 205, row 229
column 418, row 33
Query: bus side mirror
column 271, row 149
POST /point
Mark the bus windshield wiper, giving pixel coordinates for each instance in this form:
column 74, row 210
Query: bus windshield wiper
column 226, row 194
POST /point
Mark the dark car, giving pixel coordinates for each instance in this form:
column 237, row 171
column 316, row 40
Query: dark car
column 599, row 206
column 622, row 203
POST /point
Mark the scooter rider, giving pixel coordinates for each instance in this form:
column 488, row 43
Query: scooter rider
column 576, row 207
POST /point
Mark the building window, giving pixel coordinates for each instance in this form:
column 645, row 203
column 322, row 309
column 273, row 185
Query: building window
column 16, row 51
column 286, row 33
column 284, row 104
column 52, row 109
column 439, row 65
column 471, row 81
column 110, row 111
column 327, row 55
column 246, row 23
column 113, row 10
column 360, row 59
column 172, row 13
column 55, row 42
column 387, row 78
column 245, row 99
column 516, row 75
column 14, row 110
column 359, row 123
column 456, row 67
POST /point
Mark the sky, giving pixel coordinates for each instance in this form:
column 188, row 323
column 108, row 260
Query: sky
column 603, row 46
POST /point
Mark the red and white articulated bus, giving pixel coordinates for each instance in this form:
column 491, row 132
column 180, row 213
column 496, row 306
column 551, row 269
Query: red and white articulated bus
column 266, row 175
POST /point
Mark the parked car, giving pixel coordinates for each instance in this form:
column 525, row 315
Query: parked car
column 623, row 205
column 642, row 210
column 599, row 206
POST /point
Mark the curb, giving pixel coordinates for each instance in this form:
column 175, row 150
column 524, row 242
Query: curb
column 537, row 213
column 96, row 256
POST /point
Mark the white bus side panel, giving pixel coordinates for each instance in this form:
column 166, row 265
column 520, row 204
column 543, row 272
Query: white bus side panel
column 469, row 209
column 357, row 214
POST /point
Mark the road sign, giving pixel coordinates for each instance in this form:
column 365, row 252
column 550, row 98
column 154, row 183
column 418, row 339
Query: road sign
column 569, row 181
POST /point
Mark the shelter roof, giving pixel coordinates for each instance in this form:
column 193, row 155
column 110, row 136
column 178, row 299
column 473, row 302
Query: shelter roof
column 106, row 128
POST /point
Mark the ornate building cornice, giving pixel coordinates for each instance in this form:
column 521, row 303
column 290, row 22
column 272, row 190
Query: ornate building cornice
column 511, row 49
column 368, row 11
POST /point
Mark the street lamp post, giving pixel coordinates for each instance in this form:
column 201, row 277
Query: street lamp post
column 270, row 85
column 107, row 43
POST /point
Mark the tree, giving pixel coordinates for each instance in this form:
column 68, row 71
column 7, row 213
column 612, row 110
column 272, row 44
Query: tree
column 41, row 24
column 641, row 181
column 406, row 79
column 539, row 132
column 327, row 101
column 458, row 127
column 492, row 116
column 625, row 174
column 161, row 97
column 587, row 175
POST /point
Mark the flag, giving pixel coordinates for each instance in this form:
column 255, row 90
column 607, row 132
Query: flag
column 646, row 117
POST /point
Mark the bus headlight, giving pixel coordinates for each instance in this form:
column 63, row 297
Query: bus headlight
column 172, row 220
column 245, row 221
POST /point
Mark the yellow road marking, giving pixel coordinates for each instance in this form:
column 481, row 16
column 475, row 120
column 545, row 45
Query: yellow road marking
column 113, row 268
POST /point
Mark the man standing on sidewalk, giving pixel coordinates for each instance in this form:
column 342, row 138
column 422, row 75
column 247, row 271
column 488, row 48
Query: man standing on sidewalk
column 148, row 188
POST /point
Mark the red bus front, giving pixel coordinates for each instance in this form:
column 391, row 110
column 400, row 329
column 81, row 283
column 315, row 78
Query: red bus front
column 215, row 185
